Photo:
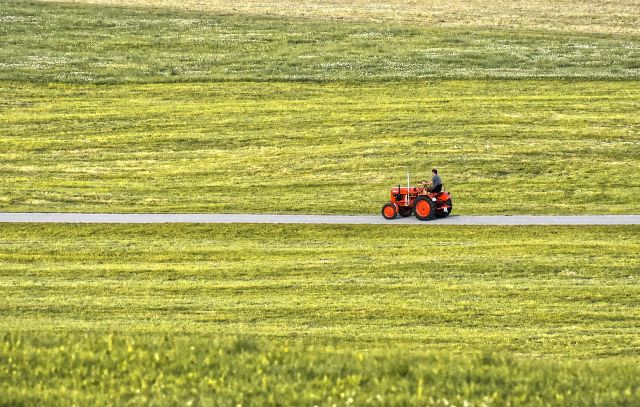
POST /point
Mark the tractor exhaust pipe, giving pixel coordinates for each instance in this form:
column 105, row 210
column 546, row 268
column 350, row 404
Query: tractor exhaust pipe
column 406, row 198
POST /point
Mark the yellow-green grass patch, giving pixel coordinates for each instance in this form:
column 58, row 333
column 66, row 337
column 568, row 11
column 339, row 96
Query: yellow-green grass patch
column 569, row 291
column 538, row 147
column 268, row 314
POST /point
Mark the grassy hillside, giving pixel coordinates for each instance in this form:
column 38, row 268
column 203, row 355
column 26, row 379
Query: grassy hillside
column 593, row 16
column 79, row 44
column 497, row 301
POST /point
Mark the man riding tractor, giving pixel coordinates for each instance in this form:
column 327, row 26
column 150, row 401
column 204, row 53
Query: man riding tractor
column 426, row 201
column 436, row 182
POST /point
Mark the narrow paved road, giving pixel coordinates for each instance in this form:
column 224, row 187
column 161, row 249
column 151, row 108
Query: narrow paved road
column 316, row 219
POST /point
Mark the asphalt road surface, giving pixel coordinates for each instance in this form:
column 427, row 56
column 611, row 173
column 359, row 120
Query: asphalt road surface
column 8, row 217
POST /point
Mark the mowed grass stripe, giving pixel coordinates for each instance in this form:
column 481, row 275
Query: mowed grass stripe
column 503, row 147
column 567, row 291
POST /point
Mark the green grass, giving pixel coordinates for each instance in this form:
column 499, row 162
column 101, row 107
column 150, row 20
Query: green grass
column 124, row 369
column 311, row 115
column 593, row 16
column 89, row 44
column 320, row 108
column 534, row 290
column 502, row 146
column 469, row 310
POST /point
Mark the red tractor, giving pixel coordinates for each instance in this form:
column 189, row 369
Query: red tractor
column 417, row 200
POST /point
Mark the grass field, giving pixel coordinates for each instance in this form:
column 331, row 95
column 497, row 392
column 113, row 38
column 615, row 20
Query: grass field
column 231, row 370
column 594, row 16
column 463, row 310
column 318, row 107
column 333, row 137
column 502, row 147
column 79, row 44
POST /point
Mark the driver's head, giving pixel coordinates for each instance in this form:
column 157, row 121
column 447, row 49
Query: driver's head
column 434, row 171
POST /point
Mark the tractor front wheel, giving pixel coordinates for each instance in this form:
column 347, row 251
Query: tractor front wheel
column 389, row 211
column 405, row 211
column 424, row 208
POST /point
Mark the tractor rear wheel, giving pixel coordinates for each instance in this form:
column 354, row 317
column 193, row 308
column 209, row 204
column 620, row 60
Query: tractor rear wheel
column 444, row 214
column 389, row 211
column 405, row 211
column 424, row 208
